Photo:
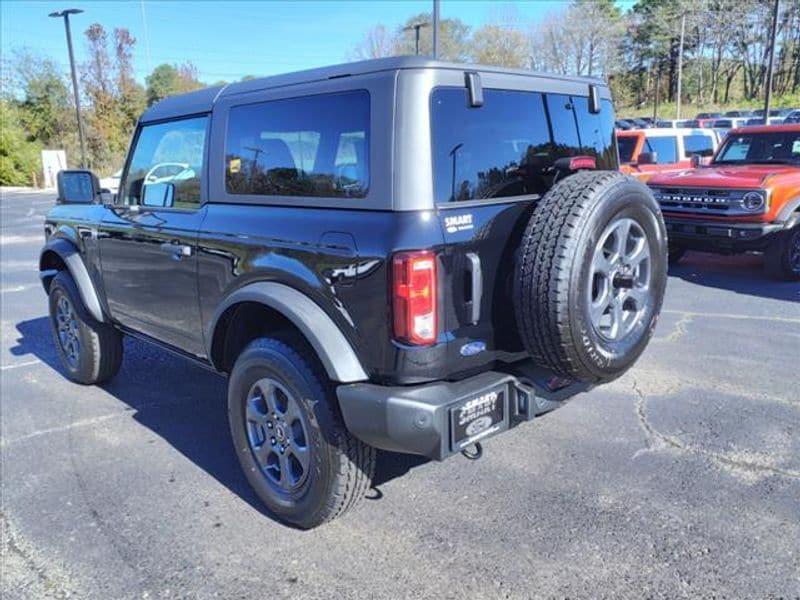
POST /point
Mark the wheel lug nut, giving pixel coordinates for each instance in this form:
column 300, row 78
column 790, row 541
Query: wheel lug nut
column 269, row 425
column 272, row 441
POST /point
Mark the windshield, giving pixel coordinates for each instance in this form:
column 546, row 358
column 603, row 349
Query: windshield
column 761, row 148
column 626, row 145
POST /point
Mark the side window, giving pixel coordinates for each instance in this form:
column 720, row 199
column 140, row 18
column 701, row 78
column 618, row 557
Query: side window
column 308, row 146
column 665, row 147
column 698, row 144
column 167, row 164
column 499, row 150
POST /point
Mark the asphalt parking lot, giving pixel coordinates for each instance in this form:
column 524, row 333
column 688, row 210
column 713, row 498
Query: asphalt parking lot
column 681, row 479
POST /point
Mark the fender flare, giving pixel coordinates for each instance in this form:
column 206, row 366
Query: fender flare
column 335, row 352
column 786, row 214
column 71, row 256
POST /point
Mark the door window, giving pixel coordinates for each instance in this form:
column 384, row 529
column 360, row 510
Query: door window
column 167, row 164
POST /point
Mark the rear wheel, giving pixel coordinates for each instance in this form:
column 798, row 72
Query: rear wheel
column 290, row 438
column 590, row 276
column 91, row 352
column 782, row 259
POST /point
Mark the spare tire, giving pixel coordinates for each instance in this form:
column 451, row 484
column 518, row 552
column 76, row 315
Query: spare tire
column 590, row 276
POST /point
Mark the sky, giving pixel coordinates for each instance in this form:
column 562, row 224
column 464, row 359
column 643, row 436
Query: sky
column 227, row 40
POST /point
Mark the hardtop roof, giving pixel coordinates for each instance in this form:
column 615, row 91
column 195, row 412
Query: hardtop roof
column 201, row 101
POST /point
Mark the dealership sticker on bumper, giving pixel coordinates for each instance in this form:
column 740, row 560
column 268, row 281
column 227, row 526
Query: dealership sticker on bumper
column 477, row 418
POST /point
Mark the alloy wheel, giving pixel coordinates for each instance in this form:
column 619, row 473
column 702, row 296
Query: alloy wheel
column 68, row 331
column 620, row 274
column 278, row 434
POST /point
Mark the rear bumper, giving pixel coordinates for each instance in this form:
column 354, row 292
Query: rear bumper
column 718, row 235
column 418, row 419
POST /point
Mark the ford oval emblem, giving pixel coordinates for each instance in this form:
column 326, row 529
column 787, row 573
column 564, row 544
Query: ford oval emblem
column 473, row 348
column 478, row 426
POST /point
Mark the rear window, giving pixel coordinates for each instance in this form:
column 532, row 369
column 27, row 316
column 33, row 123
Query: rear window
column 665, row 147
column 309, row 146
column 507, row 146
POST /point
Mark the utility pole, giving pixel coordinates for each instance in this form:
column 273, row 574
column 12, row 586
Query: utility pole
column 658, row 86
column 65, row 14
column 435, row 29
column 416, row 27
column 680, row 68
column 768, row 96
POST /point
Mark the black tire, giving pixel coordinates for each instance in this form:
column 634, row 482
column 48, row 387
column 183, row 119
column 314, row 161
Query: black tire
column 90, row 352
column 782, row 258
column 674, row 254
column 340, row 467
column 554, row 284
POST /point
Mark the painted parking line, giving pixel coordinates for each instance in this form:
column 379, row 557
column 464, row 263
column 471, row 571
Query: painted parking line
column 27, row 363
column 691, row 314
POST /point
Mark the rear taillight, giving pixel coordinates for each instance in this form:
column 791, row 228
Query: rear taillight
column 414, row 293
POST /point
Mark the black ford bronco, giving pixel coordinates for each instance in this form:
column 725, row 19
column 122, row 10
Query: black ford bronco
column 399, row 254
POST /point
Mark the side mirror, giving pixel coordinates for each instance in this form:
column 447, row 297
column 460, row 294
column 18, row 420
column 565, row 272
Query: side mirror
column 647, row 158
column 161, row 195
column 77, row 186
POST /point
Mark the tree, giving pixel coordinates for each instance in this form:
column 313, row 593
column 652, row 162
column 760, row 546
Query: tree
column 496, row 45
column 19, row 155
column 582, row 39
column 168, row 80
column 131, row 95
column 453, row 38
column 378, row 42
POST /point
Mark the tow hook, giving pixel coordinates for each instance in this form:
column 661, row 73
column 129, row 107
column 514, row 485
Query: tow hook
column 473, row 454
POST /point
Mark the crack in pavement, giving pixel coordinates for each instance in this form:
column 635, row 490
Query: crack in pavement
column 663, row 440
column 679, row 330
column 11, row 546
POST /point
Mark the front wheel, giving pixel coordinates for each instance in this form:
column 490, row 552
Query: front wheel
column 290, row 438
column 782, row 259
column 90, row 352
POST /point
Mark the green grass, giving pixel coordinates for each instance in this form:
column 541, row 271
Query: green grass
column 688, row 111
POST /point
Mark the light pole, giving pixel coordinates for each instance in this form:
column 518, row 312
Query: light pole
column 768, row 97
column 416, row 27
column 66, row 14
column 435, row 29
column 680, row 69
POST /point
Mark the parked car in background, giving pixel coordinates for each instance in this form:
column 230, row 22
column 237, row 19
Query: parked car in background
column 723, row 126
column 111, row 183
column 738, row 113
column 708, row 115
column 792, row 117
column 755, row 121
column 644, row 152
column 624, row 124
column 676, row 123
column 747, row 199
